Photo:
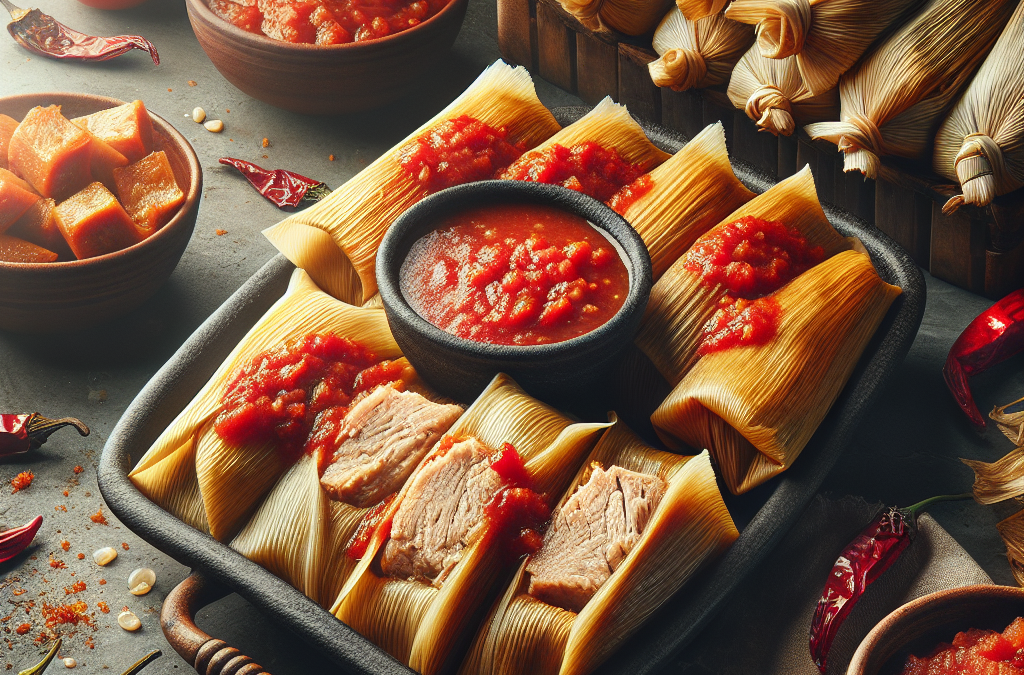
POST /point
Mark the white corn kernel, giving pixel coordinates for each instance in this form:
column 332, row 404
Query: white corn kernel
column 104, row 556
column 140, row 581
column 198, row 115
column 216, row 126
column 128, row 621
column 70, row 662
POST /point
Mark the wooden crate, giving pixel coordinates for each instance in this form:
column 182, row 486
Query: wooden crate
column 980, row 249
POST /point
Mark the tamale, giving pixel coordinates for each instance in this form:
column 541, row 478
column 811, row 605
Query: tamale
column 981, row 144
column 422, row 625
column 689, row 528
column 684, row 197
column 190, row 471
column 894, row 99
column 773, row 94
column 336, row 240
column 681, row 303
column 826, row 36
column 632, row 17
column 697, row 54
column 698, row 9
column 756, row 407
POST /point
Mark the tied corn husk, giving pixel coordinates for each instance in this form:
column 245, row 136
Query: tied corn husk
column 691, row 192
column 336, row 240
column 425, row 626
column 981, row 143
column 1012, row 532
column 690, row 528
column 894, row 99
column 1000, row 480
column 632, row 17
column 698, row 9
column 826, row 37
column 681, row 303
column 773, row 94
column 756, row 407
column 190, row 471
column 1010, row 423
column 697, row 54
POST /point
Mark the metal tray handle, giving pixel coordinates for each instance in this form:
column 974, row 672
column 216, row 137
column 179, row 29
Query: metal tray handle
column 208, row 655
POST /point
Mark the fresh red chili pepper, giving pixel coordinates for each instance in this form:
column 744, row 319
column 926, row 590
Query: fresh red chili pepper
column 994, row 336
column 13, row 542
column 862, row 561
column 284, row 188
column 21, row 433
column 42, row 34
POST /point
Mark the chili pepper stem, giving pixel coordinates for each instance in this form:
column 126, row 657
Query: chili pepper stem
column 41, row 666
column 914, row 509
column 17, row 13
column 143, row 662
column 39, row 428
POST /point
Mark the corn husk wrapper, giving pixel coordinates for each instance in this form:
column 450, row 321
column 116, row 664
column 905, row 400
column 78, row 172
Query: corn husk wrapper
column 825, row 36
column 756, row 407
column 894, row 99
column 698, row 9
column 336, row 240
column 1010, row 423
column 690, row 528
column 691, row 193
column 697, row 54
column 773, row 94
column 424, row 626
column 190, row 472
column 632, row 17
column 681, row 303
column 981, row 143
column 999, row 480
column 1012, row 532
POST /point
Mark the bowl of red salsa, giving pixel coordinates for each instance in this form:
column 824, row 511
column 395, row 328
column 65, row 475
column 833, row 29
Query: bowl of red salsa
column 537, row 281
column 326, row 56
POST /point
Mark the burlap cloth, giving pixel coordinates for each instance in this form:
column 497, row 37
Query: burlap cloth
column 764, row 628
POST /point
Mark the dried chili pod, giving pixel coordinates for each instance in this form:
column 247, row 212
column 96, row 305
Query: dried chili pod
column 42, row 34
column 41, row 666
column 284, row 188
column 24, row 432
column 862, row 561
column 994, row 336
column 13, row 542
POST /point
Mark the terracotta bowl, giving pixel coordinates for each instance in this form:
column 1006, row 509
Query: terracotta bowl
column 330, row 79
column 917, row 627
column 461, row 368
column 61, row 296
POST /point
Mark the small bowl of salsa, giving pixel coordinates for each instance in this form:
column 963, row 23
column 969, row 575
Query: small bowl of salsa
column 537, row 281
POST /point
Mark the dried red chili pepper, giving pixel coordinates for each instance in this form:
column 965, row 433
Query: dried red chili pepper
column 284, row 188
column 862, row 561
column 994, row 336
column 42, row 34
column 21, row 433
column 13, row 542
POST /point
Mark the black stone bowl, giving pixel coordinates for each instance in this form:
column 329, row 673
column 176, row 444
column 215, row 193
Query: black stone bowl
column 461, row 368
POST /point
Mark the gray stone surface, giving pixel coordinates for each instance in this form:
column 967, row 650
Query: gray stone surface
column 906, row 451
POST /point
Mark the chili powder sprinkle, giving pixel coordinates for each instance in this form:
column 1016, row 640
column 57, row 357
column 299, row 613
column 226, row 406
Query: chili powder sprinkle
column 78, row 469
column 74, row 614
column 57, row 564
column 23, row 628
column 66, row 545
column 22, row 481
column 98, row 517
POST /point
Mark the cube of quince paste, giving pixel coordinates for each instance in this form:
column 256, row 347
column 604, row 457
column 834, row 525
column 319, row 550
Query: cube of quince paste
column 51, row 153
column 16, row 196
column 149, row 192
column 17, row 250
column 7, row 127
column 39, row 226
column 103, row 160
column 93, row 223
column 126, row 128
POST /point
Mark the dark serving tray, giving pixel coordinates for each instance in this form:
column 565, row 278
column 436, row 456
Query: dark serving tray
column 764, row 515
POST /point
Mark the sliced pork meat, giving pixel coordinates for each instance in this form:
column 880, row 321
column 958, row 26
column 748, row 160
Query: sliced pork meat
column 442, row 512
column 383, row 438
column 592, row 534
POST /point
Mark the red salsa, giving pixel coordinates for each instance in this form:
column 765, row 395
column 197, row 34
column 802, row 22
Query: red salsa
column 326, row 22
column 973, row 652
column 516, row 512
column 515, row 275
column 457, row 151
column 749, row 259
column 627, row 196
column 586, row 167
column 374, row 516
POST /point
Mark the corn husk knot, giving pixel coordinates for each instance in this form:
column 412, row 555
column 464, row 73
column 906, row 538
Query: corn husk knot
column 980, row 166
column 681, row 69
column 782, row 31
column 771, row 109
column 862, row 142
column 586, row 11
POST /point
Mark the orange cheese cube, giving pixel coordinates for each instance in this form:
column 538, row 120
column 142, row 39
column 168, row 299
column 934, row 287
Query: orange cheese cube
column 16, row 197
column 93, row 223
column 51, row 153
column 7, row 127
column 39, row 226
column 126, row 128
column 149, row 192
column 17, row 250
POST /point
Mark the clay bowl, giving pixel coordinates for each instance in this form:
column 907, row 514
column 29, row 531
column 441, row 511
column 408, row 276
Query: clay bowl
column 918, row 626
column 61, row 296
column 461, row 368
column 331, row 79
